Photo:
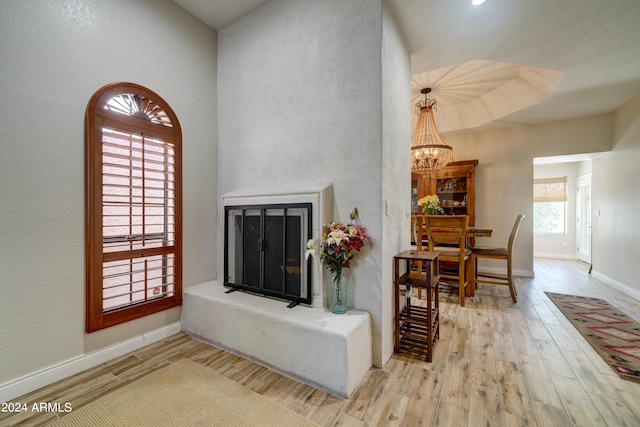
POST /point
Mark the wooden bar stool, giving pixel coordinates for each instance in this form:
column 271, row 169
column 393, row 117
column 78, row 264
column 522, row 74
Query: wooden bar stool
column 416, row 327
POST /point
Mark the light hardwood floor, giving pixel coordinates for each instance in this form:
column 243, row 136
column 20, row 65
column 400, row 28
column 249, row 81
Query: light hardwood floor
column 496, row 363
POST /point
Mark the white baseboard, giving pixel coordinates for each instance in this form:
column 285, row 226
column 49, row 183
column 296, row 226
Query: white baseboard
column 632, row 292
column 35, row 380
column 556, row 256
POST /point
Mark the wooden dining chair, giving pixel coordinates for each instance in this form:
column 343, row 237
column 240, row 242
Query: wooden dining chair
column 447, row 236
column 417, row 275
column 505, row 254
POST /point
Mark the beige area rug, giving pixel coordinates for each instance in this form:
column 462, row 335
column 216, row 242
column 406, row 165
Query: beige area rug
column 182, row 394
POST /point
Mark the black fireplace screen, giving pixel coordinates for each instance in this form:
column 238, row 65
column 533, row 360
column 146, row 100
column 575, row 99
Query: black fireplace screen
column 264, row 250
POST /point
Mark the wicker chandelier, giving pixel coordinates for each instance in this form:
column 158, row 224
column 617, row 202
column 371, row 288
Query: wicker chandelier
column 428, row 152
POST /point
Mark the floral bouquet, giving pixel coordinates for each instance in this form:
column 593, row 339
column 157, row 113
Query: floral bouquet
column 339, row 244
column 431, row 205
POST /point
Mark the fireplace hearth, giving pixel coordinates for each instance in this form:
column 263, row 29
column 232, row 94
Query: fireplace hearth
column 328, row 351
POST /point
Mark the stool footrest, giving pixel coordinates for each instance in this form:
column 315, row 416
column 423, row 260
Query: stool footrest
column 416, row 332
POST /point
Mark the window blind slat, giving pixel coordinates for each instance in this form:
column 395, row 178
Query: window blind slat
column 138, row 202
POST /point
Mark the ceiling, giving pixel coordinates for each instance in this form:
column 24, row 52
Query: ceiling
column 505, row 62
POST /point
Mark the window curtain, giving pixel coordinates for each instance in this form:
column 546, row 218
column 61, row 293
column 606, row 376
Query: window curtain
column 550, row 189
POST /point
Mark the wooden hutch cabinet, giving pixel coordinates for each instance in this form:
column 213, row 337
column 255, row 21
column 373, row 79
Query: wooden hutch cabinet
column 454, row 185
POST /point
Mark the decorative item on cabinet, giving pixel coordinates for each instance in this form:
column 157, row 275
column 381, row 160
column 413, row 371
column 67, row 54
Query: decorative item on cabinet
column 454, row 185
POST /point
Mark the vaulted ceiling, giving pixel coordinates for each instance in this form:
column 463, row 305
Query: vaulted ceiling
column 505, row 62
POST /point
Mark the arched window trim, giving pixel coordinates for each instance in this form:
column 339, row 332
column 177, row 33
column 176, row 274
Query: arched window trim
column 155, row 126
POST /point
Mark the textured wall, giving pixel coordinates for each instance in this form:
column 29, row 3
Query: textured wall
column 300, row 101
column 396, row 174
column 55, row 55
column 615, row 193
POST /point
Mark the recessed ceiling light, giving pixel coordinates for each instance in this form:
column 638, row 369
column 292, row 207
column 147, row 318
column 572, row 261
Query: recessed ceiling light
column 477, row 2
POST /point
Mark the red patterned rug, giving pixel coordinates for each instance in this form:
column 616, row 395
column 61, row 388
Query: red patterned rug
column 613, row 334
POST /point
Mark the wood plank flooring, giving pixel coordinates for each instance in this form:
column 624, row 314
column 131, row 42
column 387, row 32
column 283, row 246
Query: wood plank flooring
column 496, row 364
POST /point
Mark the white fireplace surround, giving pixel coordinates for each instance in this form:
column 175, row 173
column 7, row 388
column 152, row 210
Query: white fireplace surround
column 309, row 343
column 321, row 198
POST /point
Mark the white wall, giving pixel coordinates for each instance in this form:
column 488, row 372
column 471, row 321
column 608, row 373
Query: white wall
column 55, row 55
column 396, row 174
column 504, row 175
column 300, row 99
column 615, row 192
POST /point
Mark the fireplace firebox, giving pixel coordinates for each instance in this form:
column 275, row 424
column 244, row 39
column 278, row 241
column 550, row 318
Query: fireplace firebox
column 264, row 248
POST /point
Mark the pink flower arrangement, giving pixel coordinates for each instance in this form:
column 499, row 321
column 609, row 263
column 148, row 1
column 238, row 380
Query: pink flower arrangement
column 339, row 244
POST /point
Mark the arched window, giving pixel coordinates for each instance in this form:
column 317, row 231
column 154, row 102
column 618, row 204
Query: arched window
column 133, row 205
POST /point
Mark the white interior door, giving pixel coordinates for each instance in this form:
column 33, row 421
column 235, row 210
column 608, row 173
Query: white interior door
column 583, row 219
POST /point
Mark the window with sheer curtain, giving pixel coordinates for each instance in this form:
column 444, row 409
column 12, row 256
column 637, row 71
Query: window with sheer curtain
column 549, row 205
column 133, row 214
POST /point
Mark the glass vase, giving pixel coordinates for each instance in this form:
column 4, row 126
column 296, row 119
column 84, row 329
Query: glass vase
column 338, row 292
